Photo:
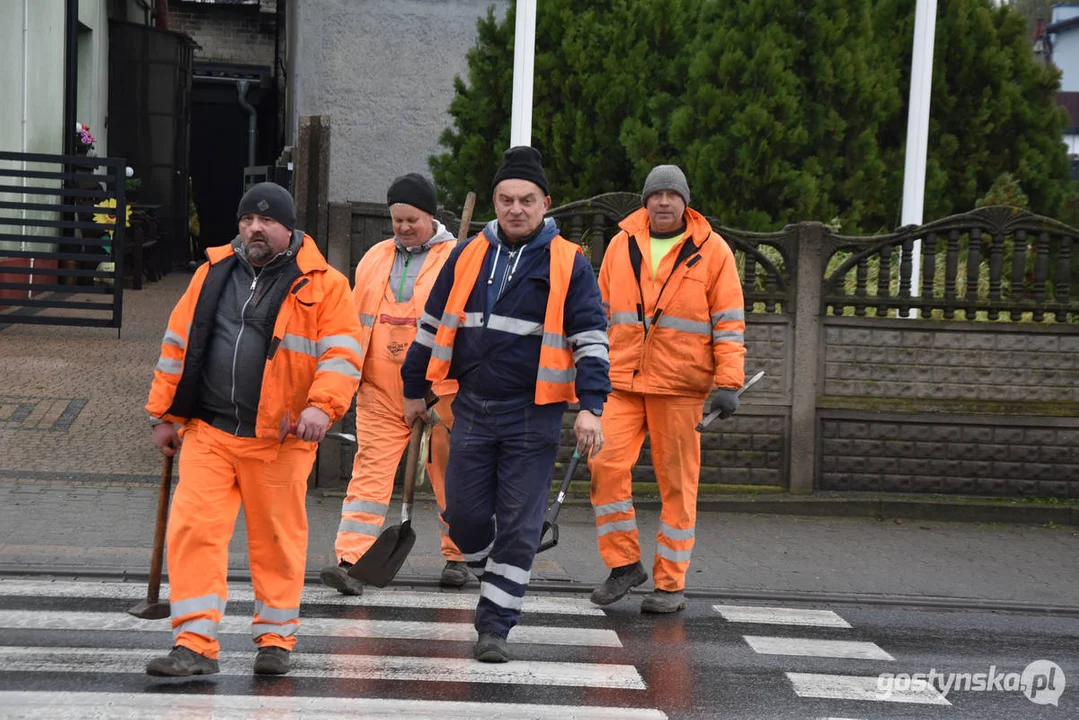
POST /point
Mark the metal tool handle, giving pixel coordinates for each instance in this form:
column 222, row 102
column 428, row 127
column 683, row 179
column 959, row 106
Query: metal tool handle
column 710, row 417
column 549, row 520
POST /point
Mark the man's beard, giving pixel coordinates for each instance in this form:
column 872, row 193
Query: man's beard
column 259, row 254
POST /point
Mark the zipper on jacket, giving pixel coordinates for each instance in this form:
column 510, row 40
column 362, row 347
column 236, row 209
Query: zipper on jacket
column 236, row 351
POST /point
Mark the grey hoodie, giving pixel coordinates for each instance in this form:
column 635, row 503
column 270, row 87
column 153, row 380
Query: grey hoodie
column 408, row 261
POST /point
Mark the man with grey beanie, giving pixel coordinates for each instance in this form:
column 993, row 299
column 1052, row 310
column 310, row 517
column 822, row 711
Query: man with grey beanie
column 675, row 308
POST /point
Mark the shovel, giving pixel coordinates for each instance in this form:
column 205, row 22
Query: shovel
column 380, row 564
column 550, row 520
column 152, row 608
column 704, row 423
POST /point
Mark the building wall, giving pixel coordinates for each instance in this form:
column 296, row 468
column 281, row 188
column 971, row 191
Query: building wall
column 383, row 72
column 240, row 34
column 93, row 96
column 1066, row 58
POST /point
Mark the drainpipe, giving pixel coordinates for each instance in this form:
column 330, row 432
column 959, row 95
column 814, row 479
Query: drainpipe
column 252, row 118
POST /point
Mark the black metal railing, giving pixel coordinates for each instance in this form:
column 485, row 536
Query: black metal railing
column 59, row 237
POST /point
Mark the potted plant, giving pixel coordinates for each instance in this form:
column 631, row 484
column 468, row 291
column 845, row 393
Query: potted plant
column 84, row 140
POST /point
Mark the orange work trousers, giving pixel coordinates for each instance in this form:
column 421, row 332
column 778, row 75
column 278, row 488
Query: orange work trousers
column 218, row 473
column 382, row 437
column 670, row 421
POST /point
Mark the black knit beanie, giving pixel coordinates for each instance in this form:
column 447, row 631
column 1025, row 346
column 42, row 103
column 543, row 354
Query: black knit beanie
column 415, row 190
column 522, row 163
column 270, row 199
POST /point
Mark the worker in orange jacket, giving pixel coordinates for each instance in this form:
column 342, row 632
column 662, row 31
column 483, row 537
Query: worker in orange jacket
column 265, row 338
column 676, row 325
column 393, row 281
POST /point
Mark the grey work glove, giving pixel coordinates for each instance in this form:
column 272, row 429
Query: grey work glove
column 725, row 401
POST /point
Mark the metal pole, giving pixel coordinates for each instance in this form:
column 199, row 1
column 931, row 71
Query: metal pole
column 921, row 86
column 524, row 52
column 71, row 75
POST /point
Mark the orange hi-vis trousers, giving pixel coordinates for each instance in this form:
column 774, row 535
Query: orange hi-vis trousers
column 670, row 421
column 382, row 437
column 218, row 473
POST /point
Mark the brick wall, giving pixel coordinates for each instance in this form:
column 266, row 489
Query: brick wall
column 241, row 34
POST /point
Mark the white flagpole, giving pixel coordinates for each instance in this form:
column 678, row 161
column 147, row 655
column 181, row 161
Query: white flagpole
column 524, row 53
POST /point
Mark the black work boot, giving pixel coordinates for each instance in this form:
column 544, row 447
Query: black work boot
column 618, row 583
column 455, row 574
column 337, row 577
column 272, row 660
column 492, row 648
column 182, row 662
column 664, row 601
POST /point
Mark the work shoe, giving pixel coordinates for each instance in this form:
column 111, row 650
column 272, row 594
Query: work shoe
column 272, row 660
column 621, row 581
column 455, row 574
column 492, row 649
column 338, row 578
column 663, row 601
column 182, row 662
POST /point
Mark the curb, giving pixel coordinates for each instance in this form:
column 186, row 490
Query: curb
column 921, row 602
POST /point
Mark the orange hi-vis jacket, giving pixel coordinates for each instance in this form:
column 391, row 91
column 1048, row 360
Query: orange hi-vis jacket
column 556, row 373
column 313, row 359
column 677, row 329
column 368, row 294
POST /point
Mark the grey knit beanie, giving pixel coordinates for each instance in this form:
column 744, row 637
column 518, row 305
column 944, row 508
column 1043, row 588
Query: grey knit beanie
column 666, row 177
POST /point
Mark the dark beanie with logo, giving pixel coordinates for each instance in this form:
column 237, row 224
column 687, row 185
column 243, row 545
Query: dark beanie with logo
column 522, row 163
column 271, row 200
column 415, row 190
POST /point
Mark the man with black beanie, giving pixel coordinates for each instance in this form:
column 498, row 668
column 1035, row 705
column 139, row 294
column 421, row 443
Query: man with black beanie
column 516, row 319
column 260, row 356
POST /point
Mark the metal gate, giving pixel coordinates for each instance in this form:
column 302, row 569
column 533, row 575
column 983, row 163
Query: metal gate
column 57, row 238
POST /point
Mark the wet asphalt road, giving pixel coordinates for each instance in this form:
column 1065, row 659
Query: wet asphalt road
column 406, row 653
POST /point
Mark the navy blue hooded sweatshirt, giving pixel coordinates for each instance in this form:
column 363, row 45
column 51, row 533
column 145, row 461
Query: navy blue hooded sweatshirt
column 514, row 282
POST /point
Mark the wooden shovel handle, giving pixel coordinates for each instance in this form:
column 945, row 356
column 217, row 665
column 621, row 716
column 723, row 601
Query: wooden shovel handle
column 153, row 587
column 411, row 459
column 466, row 217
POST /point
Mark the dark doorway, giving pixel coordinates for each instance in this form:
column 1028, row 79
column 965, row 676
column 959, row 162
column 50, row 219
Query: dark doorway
column 219, row 143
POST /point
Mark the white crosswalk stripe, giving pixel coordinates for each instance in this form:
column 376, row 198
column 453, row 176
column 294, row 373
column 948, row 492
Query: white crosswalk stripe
column 856, row 687
column 809, row 647
column 780, row 616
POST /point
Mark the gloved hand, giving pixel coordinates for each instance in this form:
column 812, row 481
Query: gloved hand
column 725, row 401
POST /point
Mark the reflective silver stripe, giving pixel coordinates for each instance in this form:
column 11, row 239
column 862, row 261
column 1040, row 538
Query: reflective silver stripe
column 275, row 615
column 342, row 341
column 338, row 365
column 690, row 326
column 596, row 351
column 260, row 629
column 546, row 374
column 673, row 555
column 510, row 572
column 429, row 319
column 425, row 338
column 170, row 366
column 729, row 336
column 589, row 336
column 173, row 339
column 675, row 533
column 365, row 506
column 441, row 352
column 615, row 507
column 479, row 556
column 367, row 320
column 300, row 344
column 213, row 601
column 450, row 320
column 513, row 325
column 351, row 526
column 555, row 340
column 500, row 597
column 473, row 319
column 728, row 315
column 202, row 627
column 619, row 526
column 625, row 318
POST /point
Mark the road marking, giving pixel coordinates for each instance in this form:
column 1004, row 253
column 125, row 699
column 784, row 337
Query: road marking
column 808, row 647
column 857, row 687
column 338, row 666
column 312, row 595
column 780, row 616
column 121, row 706
column 329, row 627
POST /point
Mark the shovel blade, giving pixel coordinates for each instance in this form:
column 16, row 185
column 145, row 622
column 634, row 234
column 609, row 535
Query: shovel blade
column 381, row 563
column 550, row 542
column 150, row 610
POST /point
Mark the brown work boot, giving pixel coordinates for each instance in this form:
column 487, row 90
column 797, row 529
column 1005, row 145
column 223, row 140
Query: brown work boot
column 619, row 583
column 182, row 662
column 272, row 660
column 455, row 574
column 663, row 601
column 337, row 577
